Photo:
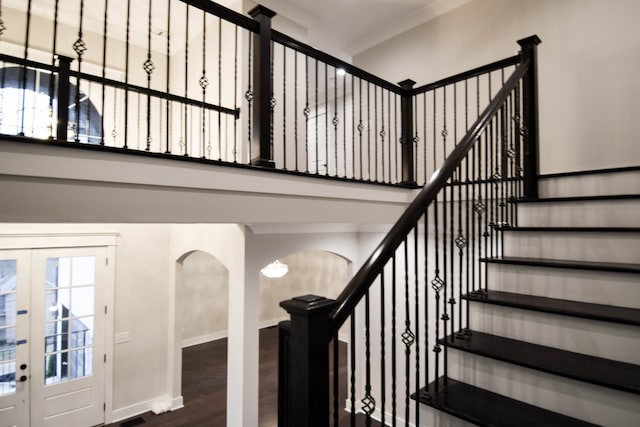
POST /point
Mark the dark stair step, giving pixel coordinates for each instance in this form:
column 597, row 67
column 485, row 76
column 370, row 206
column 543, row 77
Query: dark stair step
column 607, row 313
column 614, row 267
column 571, row 229
column 595, row 370
column 606, row 197
column 485, row 408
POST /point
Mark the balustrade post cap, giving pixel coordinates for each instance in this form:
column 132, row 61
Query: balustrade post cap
column 63, row 58
column 309, row 305
column 406, row 84
column 261, row 10
column 531, row 40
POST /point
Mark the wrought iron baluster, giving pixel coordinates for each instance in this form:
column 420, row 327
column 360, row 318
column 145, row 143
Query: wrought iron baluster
column 368, row 127
column 148, row 67
column 426, row 300
column 23, row 69
column 126, row 77
column 368, row 402
column 336, row 379
column 272, row 101
column 383, row 371
column 307, row 112
column 335, row 121
column 360, row 124
column 353, row 128
column 467, row 209
column 284, row 108
column 326, row 119
column 54, row 54
column 408, row 336
column 344, row 123
column 317, row 121
column 235, row 94
column 375, row 133
column 295, row 107
column 221, row 150
column 248, row 95
column 353, row 368
column 416, row 315
column 168, row 110
column 394, row 405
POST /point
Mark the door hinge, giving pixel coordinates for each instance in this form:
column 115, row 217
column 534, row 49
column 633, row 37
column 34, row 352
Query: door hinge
column 105, row 358
column 106, row 261
column 105, row 309
column 104, row 407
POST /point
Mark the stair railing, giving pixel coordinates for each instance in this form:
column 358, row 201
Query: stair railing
column 408, row 297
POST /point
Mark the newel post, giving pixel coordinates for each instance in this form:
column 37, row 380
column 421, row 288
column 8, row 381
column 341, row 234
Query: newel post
column 530, row 116
column 64, row 67
column 306, row 378
column 262, row 89
column 406, row 138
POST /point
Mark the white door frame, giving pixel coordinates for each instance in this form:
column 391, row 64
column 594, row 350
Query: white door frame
column 79, row 240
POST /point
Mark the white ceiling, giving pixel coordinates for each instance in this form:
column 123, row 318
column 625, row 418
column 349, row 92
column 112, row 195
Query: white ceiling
column 345, row 28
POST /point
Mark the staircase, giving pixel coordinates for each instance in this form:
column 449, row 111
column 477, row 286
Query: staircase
column 556, row 336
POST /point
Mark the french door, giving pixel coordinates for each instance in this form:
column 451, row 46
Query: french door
column 52, row 343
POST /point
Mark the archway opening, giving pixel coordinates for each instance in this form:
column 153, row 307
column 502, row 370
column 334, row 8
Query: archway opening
column 202, row 294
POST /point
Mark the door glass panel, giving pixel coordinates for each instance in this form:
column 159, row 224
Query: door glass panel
column 8, row 278
column 69, row 310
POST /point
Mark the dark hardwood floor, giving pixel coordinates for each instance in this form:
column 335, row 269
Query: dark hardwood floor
column 204, row 387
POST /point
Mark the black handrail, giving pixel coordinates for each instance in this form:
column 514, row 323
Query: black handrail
column 373, row 266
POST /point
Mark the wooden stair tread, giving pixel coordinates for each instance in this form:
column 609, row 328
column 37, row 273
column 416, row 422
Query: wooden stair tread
column 485, row 408
column 595, row 370
column 607, row 313
column 615, row 267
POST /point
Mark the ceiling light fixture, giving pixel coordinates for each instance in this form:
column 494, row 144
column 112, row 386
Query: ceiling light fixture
column 275, row 270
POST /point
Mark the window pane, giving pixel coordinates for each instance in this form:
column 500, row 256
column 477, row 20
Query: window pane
column 57, row 302
column 81, row 301
column 8, row 277
column 83, row 270
column 82, row 332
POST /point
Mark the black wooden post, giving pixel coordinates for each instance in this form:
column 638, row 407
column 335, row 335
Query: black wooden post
column 284, row 408
column 530, row 116
column 64, row 67
column 262, row 88
column 308, row 373
column 406, row 139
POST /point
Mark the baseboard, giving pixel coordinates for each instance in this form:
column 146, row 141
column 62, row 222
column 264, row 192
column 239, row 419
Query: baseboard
column 189, row 342
column 590, row 172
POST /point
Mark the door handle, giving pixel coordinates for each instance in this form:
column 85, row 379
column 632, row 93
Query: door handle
column 23, row 378
column 23, row 366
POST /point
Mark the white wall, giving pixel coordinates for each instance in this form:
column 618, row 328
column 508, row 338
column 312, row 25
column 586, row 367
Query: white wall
column 589, row 61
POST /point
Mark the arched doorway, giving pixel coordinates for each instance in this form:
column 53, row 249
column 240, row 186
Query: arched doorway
column 202, row 288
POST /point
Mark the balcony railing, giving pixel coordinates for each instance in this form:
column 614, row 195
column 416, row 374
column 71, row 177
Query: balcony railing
column 191, row 79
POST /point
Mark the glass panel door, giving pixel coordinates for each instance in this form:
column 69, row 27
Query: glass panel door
column 14, row 338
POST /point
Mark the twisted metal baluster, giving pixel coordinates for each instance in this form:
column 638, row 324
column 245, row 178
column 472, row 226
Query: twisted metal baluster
column 368, row 402
column 203, row 82
column 148, row 67
column 235, row 94
column 248, row 95
column 408, row 337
